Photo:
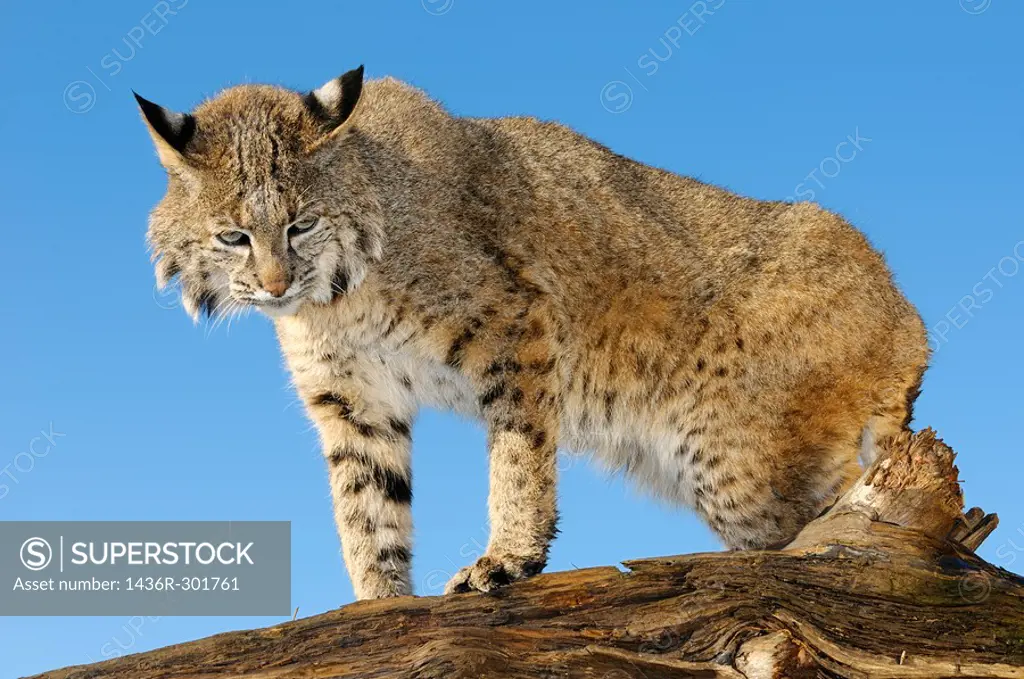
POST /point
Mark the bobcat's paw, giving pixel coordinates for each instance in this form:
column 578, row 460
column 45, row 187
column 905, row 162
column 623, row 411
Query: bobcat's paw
column 490, row 572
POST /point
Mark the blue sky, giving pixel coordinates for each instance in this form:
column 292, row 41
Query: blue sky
column 158, row 419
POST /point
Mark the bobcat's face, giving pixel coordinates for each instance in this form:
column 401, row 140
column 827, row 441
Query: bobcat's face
column 266, row 204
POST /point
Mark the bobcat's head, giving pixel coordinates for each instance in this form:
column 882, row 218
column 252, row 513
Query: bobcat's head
column 267, row 203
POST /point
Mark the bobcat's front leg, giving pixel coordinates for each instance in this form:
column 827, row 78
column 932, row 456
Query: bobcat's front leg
column 367, row 448
column 519, row 406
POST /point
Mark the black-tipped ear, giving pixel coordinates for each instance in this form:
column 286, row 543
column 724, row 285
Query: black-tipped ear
column 334, row 103
column 174, row 129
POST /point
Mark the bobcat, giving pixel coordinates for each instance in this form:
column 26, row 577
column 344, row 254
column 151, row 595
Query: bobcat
column 728, row 354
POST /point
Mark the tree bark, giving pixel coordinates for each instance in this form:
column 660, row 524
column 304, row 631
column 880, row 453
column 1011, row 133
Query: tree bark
column 884, row 584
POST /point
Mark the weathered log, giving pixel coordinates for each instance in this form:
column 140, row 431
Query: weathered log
column 884, row 584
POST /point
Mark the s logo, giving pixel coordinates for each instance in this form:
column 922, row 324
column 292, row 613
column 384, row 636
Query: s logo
column 36, row 554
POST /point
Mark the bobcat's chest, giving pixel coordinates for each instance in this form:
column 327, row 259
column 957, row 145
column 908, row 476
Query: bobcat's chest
column 366, row 352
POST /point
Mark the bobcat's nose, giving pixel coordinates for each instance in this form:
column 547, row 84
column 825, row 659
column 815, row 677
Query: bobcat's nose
column 275, row 278
column 276, row 287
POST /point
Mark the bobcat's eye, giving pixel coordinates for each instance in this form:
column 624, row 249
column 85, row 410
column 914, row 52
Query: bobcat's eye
column 302, row 226
column 235, row 238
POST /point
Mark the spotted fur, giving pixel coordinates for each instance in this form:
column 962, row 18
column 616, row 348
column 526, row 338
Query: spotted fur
column 728, row 354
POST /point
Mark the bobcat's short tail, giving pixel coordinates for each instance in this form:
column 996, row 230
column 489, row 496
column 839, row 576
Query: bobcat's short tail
column 894, row 412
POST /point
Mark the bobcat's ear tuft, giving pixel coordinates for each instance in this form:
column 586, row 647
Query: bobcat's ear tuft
column 171, row 131
column 334, row 104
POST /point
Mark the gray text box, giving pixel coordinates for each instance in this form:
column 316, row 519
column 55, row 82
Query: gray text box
column 145, row 568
